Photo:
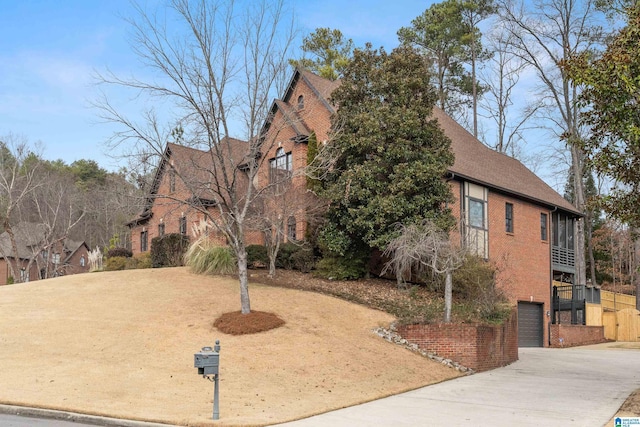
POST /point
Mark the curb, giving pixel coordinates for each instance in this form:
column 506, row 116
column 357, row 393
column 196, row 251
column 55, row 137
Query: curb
column 52, row 414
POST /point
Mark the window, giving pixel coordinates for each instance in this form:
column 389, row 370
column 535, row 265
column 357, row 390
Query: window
column 24, row 276
column 56, row 259
column 82, row 261
column 476, row 213
column 291, row 229
column 563, row 233
column 183, row 225
column 300, row 102
column 475, row 234
column 144, row 241
column 172, row 180
column 161, row 229
column 508, row 216
column 280, row 167
column 543, row 226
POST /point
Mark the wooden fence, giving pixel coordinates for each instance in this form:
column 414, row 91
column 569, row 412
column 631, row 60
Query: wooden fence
column 618, row 314
column 616, row 302
column 623, row 325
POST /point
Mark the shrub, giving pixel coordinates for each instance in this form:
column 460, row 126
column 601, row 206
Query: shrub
column 119, row 252
column 139, row 261
column 303, row 259
column 283, row 259
column 143, row 260
column 475, row 285
column 341, row 268
column 116, row 263
column 168, row 250
column 257, row 256
column 205, row 257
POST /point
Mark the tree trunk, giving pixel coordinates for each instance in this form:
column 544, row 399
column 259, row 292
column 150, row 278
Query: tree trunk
column 448, row 291
column 579, row 203
column 245, row 304
column 14, row 253
column 592, row 261
column 272, row 266
column 475, row 89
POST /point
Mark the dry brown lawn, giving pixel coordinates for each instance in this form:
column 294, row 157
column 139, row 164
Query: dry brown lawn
column 121, row 344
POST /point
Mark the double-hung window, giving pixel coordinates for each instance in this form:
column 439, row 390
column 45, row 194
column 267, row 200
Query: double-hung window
column 544, row 235
column 144, row 241
column 508, row 217
column 183, row 225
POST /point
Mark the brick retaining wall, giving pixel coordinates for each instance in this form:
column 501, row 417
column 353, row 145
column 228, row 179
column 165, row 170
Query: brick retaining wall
column 573, row 335
column 479, row 347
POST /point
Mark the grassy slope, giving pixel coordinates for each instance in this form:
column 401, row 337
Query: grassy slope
column 122, row 343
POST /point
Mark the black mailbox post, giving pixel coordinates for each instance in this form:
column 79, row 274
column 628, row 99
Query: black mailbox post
column 208, row 363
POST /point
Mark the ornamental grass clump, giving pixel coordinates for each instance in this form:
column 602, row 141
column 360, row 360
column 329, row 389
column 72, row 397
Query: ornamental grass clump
column 206, row 257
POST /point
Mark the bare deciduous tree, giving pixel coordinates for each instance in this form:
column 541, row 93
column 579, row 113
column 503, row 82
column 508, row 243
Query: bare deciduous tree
column 544, row 33
column 283, row 207
column 57, row 208
column 420, row 248
column 502, row 76
column 18, row 180
column 216, row 66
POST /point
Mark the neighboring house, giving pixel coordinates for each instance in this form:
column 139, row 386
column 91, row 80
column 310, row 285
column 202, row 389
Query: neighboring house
column 511, row 217
column 35, row 260
column 181, row 191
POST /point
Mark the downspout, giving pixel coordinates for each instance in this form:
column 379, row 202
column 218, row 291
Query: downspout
column 549, row 236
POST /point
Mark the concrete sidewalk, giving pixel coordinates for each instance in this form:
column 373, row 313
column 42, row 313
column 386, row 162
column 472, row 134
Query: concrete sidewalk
column 582, row 386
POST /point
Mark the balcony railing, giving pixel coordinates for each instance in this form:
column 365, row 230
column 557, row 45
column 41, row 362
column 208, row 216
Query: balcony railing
column 563, row 259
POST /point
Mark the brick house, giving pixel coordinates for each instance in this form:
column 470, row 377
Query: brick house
column 516, row 220
column 32, row 262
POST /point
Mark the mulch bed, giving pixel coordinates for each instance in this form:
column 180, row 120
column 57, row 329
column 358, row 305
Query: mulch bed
column 375, row 293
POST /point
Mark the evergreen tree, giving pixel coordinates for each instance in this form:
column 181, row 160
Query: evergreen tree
column 392, row 155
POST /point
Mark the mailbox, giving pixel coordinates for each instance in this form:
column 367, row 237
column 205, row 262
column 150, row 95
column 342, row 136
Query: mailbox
column 207, row 361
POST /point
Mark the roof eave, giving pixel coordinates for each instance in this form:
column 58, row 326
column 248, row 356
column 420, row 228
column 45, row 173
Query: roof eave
column 517, row 194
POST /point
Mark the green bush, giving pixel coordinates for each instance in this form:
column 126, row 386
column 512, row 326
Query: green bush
column 257, row 256
column 119, row 252
column 303, row 259
column 169, row 250
column 341, row 268
column 139, row 261
column 143, row 260
column 283, row 259
column 116, row 263
column 474, row 284
column 205, row 257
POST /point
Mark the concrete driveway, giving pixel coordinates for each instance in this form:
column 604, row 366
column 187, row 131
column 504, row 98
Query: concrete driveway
column 582, row 386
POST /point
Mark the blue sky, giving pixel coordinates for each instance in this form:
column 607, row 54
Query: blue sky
column 50, row 50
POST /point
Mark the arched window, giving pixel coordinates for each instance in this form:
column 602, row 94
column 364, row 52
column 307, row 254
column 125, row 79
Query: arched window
column 300, row 102
column 291, row 229
column 82, row 261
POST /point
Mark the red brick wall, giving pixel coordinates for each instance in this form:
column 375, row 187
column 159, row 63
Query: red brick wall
column 573, row 335
column 479, row 347
column 74, row 266
column 522, row 259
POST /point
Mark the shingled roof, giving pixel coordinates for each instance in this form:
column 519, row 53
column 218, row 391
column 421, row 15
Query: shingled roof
column 30, row 235
column 194, row 163
column 476, row 162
